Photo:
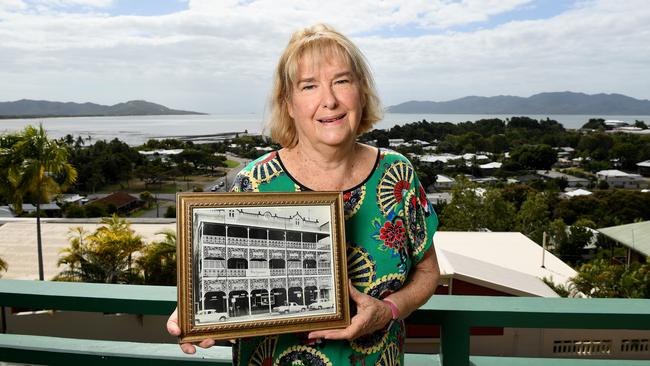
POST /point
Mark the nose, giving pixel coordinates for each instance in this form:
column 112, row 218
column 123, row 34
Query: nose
column 328, row 98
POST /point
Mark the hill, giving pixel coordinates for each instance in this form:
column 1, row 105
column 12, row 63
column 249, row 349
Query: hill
column 543, row 103
column 43, row 108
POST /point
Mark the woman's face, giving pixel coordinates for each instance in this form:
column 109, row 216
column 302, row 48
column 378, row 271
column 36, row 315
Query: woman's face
column 325, row 103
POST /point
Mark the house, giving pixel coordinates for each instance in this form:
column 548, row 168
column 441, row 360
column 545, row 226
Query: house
column 444, row 182
column 576, row 193
column 644, row 168
column 164, row 155
column 489, row 168
column 497, row 263
column 572, row 181
column 49, row 209
column 395, row 142
column 614, row 123
column 419, row 142
column 122, row 201
column 437, row 198
column 636, row 237
column 619, row 179
column 442, row 158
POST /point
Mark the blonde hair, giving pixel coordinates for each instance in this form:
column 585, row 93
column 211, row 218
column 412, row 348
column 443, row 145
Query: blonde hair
column 320, row 42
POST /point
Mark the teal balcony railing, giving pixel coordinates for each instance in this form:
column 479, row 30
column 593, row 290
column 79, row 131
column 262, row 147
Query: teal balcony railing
column 455, row 315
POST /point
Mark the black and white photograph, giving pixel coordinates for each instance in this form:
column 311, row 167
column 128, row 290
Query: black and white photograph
column 261, row 263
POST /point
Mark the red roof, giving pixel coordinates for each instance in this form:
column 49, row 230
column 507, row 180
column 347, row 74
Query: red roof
column 119, row 199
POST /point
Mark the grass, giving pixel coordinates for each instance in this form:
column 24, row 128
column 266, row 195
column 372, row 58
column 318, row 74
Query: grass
column 231, row 163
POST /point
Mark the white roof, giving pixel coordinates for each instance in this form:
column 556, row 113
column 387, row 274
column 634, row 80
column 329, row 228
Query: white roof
column 28, row 207
column 72, row 198
column 442, row 158
column 510, row 250
column 444, row 179
column 161, row 152
column 616, row 173
column 578, row 192
column 492, row 165
column 419, row 142
column 644, row 164
column 18, row 244
column 493, row 276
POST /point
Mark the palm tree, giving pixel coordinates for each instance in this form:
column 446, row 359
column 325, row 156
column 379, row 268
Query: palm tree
column 44, row 171
column 3, row 266
column 158, row 260
column 104, row 256
column 74, row 257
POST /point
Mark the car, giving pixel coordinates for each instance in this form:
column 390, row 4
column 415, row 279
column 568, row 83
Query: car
column 210, row 316
column 291, row 308
column 321, row 304
column 217, row 186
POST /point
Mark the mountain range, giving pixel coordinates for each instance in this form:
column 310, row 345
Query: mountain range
column 43, row 108
column 543, row 103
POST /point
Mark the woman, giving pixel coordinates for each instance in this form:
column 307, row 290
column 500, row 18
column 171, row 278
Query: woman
column 323, row 99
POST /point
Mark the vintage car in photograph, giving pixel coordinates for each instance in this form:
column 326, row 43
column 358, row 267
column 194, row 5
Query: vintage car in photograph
column 292, row 307
column 210, row 316
column 321, row 304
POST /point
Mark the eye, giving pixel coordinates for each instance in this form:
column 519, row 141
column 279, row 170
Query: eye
column 342, row 81
column 307, row 87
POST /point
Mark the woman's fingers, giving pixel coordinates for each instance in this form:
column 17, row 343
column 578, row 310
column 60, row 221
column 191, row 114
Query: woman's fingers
column 175, row 330
column 188, row 348
column 172, row 324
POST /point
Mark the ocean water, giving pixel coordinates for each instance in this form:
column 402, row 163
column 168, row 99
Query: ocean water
column 136, row 130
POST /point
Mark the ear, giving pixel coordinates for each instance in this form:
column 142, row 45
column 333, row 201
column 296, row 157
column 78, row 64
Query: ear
column 289, row 105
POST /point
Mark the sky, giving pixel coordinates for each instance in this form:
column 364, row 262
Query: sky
column 218, row 56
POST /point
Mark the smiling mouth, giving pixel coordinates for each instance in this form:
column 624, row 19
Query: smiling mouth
column 332, row 119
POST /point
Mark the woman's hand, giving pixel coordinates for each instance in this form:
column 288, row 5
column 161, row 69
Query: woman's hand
column 372, row 315
column 175, row 330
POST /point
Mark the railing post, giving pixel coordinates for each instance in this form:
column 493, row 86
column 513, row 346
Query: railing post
column 454, row 344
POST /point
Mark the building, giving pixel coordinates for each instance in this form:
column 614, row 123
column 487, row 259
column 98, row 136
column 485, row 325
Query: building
column 497, row 263
column 644, row 168
column 122, row 201
column 635, row 236
column 444, row 182
column 572, row 181
column 576, row 193
column 164, row 155
column 439, row 197
column 619, row 179
column 252, row 261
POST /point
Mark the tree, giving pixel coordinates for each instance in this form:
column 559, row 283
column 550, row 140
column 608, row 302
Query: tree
column 105, row 256
column 3, row 266
column 148, row 198
column 473, row 209
column 534, row 156
column 569, row 241
column 158, row 261
column 532, row 218
column 44, row 171
column 599, row 278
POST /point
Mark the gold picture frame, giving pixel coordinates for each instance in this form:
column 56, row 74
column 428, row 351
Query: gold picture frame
column 253, row 264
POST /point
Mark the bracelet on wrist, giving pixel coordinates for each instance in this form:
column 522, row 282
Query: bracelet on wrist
column 393, row 309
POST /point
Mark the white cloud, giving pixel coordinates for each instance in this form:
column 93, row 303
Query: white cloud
column 218, row 56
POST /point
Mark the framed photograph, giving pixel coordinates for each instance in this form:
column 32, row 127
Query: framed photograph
column 253, row 264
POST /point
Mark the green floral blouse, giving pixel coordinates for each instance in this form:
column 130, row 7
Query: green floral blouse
column 389, row 225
